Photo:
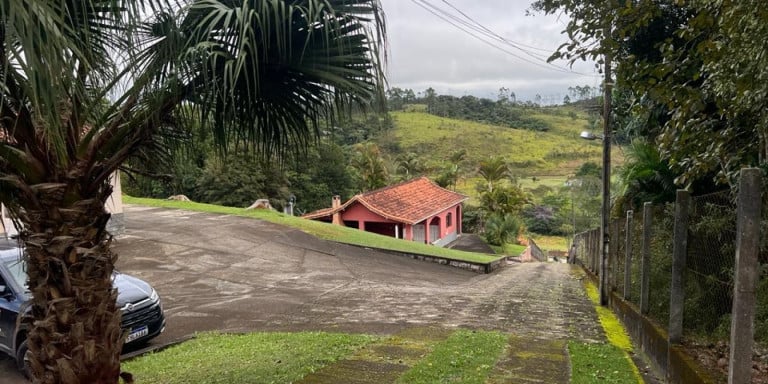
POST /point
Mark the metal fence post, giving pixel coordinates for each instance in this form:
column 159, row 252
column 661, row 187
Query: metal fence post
column 747, row 248
column 628, row 256
column 679, row 250
column 645, row 275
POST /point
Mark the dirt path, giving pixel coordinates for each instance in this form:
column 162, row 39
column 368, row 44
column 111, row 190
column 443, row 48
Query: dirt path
column 226, row 273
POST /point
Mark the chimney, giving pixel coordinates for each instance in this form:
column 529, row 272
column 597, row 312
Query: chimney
column 335, row 204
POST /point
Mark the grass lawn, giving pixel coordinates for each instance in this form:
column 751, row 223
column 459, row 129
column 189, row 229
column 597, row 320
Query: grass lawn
column 603, row 362
column 509, row 249
column 258, row 358
column 465, row 357
column 600, row 363
column 278, row 357
column 550, row 243
column 321, row 230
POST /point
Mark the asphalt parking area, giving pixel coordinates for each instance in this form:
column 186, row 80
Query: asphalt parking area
column 235, row 274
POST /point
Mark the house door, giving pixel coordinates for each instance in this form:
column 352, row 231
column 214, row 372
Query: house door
column 418, row 233
column 434, row 232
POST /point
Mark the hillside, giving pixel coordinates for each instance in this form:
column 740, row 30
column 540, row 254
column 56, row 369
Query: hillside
column 554, row 154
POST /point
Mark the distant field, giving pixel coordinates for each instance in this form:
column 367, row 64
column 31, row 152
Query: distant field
column 535, row 158
column 558, row 152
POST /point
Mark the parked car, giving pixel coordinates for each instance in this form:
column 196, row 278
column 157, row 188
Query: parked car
column 142, row 312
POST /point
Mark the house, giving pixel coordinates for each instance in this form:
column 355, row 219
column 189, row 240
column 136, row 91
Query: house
column 416, row 210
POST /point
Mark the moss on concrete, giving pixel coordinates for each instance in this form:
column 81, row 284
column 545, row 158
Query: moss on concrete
column 614, row 331
column 530, row 360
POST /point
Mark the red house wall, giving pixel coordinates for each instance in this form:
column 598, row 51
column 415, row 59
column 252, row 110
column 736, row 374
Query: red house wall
column 445, row 229
column 365, row 219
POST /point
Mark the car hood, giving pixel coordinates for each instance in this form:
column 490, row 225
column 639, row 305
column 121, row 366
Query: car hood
column 130, row 289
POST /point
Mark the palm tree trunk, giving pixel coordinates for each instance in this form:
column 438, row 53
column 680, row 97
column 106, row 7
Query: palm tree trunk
column 70, row 267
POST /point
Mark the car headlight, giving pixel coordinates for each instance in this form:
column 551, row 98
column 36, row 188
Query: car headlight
column 154, row 296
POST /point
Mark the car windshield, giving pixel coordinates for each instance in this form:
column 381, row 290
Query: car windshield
column 18, row 272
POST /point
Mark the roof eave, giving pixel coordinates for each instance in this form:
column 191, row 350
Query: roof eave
column 435, row 212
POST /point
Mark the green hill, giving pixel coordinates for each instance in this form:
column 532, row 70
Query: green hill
column 554, row 154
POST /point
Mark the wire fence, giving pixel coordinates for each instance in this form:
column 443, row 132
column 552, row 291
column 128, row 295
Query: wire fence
column 640, row 269
column 710, row 267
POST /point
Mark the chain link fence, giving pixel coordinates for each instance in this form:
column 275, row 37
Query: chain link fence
column 710, row 266
column 708, row 279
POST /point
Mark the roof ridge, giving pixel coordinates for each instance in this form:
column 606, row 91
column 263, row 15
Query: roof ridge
column 388, row 187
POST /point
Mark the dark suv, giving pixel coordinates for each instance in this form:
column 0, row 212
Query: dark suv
column 142, row 312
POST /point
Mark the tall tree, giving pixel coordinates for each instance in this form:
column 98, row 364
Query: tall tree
column 410, row 165
column 262, row 73
column 369, row 166
column 696, row 73
column 493, row 170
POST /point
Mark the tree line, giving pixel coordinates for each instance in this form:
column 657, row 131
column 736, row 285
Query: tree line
column 506, row 111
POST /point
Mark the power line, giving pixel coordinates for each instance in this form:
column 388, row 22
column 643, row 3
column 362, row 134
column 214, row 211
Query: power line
column 492, row 32
column 488, row 34
column 538, row 64
column 479, row 28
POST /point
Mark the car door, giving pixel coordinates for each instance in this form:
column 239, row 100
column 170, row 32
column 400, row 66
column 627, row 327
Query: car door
column 8, row 314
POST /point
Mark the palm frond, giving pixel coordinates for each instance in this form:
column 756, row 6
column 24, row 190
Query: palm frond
column 271, row 70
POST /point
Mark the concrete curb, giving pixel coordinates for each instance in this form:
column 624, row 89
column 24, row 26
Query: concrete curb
column 476, row 267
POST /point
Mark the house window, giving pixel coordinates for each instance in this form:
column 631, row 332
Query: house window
column 449, row 220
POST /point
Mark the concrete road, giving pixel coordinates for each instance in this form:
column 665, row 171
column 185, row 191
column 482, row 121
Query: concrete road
column 227, row 273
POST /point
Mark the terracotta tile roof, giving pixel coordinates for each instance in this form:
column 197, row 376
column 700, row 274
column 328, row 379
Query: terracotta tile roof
column 319, row 213
column 409, row 202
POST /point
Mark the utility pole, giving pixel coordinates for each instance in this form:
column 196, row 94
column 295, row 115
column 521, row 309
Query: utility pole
column 606, row 210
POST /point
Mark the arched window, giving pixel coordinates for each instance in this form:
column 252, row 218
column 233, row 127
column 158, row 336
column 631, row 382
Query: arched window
column 449, row 219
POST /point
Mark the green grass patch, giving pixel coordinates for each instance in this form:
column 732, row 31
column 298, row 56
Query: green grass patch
column 322, row 230
column 604, row 362
column 613, row 328
column 509, row 249
column 600, row 363
column 556, row 152
column 258, row 358
column 550, row 243
column 465, row 357
column 513, row 249
column 554, row 182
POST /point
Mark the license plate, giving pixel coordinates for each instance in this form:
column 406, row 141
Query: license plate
column 137, row 333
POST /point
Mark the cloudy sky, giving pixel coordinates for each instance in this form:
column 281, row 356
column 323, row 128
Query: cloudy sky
column 425, row 51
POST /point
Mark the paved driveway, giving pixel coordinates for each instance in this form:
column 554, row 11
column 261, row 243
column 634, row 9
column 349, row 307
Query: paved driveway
column 228, row 273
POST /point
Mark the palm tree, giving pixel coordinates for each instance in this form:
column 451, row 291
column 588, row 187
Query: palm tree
column 88, row 84
column 370, row 166
column 410, row 165
column 493, row 170
column 646, row 176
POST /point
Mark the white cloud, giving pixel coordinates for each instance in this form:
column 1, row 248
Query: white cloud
column 427, row 51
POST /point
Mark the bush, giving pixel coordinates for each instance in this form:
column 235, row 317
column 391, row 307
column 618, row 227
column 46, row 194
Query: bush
column 543, row 220
column 502, row 229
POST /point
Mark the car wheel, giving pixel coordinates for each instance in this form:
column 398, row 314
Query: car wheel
column 21, row 359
